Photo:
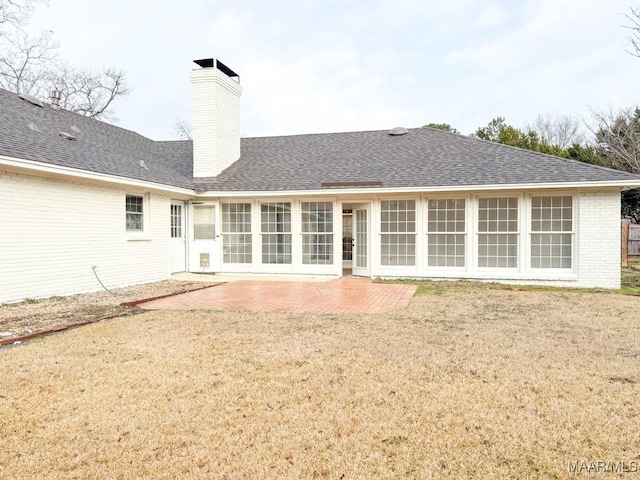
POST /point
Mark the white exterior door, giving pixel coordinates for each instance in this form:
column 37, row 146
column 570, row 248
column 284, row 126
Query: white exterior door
column 361, row 243
column 178, row 240
column 204, row 246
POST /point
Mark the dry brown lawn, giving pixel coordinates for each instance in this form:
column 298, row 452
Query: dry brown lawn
column 468, row 382
column 34, row 315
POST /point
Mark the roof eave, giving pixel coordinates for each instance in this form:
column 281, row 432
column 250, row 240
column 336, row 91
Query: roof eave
column 617, row 184
column 76, row 173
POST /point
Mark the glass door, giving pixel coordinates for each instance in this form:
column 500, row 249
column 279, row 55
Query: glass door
column 361, row 244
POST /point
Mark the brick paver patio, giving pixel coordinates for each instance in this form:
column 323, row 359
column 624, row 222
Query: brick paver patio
column 345, row 295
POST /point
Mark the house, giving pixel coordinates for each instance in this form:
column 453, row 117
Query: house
column 83, row 202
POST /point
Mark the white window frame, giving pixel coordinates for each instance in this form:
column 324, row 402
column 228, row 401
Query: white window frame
column 542, row 271
column 143, row 233
column 468, row 224
column 318, row 247
column 249, row 233
column 521, row 209
column 293, row 205
column 416, row 233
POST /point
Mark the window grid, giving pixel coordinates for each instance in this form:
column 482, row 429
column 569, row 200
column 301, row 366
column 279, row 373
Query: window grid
column 134, row 206
column 361, row 253
column 398, row 249
column 445, row 248
column 236, row 233
column 347, row 236
column 176, row 221
column 204, row 222
column 317, row 233
column 551, row 232
column 276, row 232
column 398, row 227
column 498, row 233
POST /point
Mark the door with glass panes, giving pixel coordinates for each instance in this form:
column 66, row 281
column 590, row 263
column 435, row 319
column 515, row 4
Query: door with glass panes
column 361, row 242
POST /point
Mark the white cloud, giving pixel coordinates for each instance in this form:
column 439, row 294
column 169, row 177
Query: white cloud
column 314, row 66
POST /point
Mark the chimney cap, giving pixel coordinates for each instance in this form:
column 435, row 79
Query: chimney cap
column 214, row 63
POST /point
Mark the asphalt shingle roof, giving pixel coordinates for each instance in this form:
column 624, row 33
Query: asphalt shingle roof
column 99, row 147
column 424, row 157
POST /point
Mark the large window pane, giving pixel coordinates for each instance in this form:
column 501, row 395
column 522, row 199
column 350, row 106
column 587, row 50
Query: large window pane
column 551, row 232
column 446, row 238
column 275, row 221
column 236, row 233
column 498, row 232
column 317, row 233
column 398, row 227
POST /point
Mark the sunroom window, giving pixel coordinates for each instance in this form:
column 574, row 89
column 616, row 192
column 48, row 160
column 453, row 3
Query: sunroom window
column 275, row 220
column 317, row 233
column 446, row 233
column 398, row 232
column 236, row 233
column 498, row 233
column 551, row 232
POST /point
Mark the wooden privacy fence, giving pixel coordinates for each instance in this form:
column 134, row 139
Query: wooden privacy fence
column 630, row 240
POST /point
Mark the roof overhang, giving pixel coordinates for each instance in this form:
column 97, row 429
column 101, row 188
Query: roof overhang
column 57, row 171
column 605, row 185
column 49, row 170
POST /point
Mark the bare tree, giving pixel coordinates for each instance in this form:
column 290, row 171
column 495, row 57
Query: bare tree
column 618, row 137
column 24, row 61
column 88, row 93
column 183, row 129
column 31, row 65
column 559, row 130
column 15, row 12
column 634, row 36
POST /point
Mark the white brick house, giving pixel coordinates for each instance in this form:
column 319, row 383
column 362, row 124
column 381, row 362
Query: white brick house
column 112, row 205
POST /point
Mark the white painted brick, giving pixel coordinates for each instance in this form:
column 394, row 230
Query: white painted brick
column 52, row 232
column 598, row 233
column 216, row 121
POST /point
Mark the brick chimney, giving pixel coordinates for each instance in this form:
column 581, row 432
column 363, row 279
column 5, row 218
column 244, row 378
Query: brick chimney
column 216, row 94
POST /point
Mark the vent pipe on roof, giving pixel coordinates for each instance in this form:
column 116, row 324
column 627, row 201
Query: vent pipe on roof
column 56, row 96
column 397, row 131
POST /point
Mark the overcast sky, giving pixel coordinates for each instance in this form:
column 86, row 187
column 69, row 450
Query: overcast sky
column 309, row 66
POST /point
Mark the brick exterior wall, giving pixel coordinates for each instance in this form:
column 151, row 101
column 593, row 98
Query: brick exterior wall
column 216, row 121
column 52, row 232
column 599, row 239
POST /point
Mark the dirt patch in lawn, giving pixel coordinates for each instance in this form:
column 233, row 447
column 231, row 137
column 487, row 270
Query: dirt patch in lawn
column 465, row 383
column 35, row 315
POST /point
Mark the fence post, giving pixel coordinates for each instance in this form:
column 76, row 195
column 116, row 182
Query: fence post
column 625, row 243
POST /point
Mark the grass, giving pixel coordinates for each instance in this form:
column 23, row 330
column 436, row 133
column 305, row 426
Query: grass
column 468, row 382
column 630, row 284
column 631, row 277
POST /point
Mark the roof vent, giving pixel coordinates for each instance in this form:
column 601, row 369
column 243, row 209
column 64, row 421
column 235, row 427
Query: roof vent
column 54, row 98
column 66, row 135
column 31, row 99
column 143, row 165
column 75, row 129
column 398, row 131
column 34, row 127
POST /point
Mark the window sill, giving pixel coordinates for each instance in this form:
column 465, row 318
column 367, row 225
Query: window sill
column 138, row 237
